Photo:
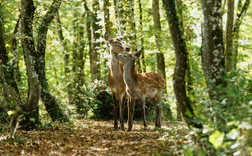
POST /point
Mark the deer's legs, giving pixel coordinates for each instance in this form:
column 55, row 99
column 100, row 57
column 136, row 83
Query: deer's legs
column 115, row 111
column 122, row 106
column 131, row 107
column 158, row 116
column 158, row 110
column 144, row 114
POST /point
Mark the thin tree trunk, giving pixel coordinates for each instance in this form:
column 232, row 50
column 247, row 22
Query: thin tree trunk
column 50, row 102
column 14, row 43
column 142, row 38
column 213, row 59
column 108, row 28
column 229, row 39
column 78, row 64
column 236, row 29
column 95, row 64
column 157, row 31
column 66, row 55
column 120, row 12
column 89, row 19
column 31, row 108
column 188, row 79
column 180, row 65
column 107, row 16
column 133, row 32
column 7, row 79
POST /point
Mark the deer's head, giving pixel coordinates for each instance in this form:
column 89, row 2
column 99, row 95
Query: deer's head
column 128, row 58
column 116, row 44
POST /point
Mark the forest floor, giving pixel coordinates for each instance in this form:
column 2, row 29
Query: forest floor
column 91, row 137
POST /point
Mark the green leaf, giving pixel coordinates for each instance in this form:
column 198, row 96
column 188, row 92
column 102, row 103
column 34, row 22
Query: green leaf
column 33, row 119
column 216, row 139
column 11, row 112
column 189, row 152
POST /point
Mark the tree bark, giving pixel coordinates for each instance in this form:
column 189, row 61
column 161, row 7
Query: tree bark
column 133, row 32
column 142, row 38
column 157, row 31
column 7, row 79
column 51, row 104
column 14, row 44
column 120, row 13
column 31, row 108
column 66, row 54
column 180, row 65
column 236, row 29
column 89, row 18
column 95, row 63
column 107, row 16
column 229, row 39
column 188, row 79
column 78, row 64
column 213, row 59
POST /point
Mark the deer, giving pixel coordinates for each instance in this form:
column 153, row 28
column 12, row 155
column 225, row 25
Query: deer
column 115, row 77
column 141, row 86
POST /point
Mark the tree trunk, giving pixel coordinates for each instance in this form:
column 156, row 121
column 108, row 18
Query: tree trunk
column 180, row 65
column 229, row 39
column 78, row 64
column 66, row 55
column 14, row 42
column 107, row 16
column 50, row 102
column 120, row 13
column 95, row 64
column 89, row 18
column 236, row 29
column 7, row 79
column 157, row 31
column 213, row 60
column 31, row 108
column 188, row 79
column 133, row 32
column 142, row 38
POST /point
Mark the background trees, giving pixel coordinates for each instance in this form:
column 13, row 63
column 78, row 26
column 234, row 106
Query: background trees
column 55, row 51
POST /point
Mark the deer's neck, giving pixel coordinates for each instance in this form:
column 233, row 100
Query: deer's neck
column 130, row 76
column 114, row 64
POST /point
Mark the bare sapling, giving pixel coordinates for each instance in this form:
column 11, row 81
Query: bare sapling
column 141, row 86
column 115, row 77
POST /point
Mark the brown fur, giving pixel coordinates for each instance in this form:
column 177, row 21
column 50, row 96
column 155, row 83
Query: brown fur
column 141, row 86
column 115, row 78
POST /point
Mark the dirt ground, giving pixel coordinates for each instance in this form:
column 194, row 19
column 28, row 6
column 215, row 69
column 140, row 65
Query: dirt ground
column 90, row 137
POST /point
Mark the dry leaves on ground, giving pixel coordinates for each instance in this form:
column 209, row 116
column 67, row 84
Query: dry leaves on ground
column 90, row 137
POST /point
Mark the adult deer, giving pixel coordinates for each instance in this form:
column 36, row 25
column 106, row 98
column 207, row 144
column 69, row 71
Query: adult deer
column 115, row 77
column 141, row 86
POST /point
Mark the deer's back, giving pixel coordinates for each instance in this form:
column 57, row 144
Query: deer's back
column 149, row 84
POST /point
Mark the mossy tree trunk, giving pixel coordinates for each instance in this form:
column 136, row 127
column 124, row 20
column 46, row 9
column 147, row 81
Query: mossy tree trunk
column 236, row 29
column 7, row 79
column 31, row 107
column 95, row 63
column 142, row 36
column 157, row 32
column 51, row 104
column 180, row 65
column 213, row 59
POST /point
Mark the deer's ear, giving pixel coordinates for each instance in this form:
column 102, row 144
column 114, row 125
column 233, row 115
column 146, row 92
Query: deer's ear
column 107, row 36
column 137, row 54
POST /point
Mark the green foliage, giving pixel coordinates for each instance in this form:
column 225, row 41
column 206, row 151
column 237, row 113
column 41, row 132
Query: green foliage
column 216, row 139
